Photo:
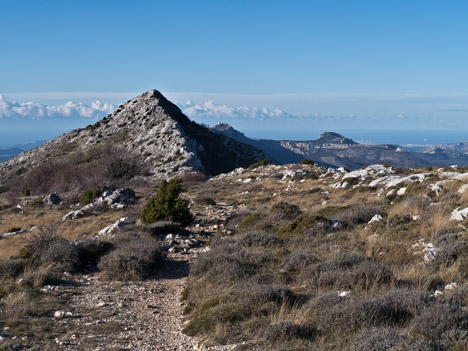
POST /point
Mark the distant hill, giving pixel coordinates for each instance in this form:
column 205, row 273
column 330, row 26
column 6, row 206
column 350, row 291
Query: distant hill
column 330, row 149
column 445, row 154
column 10, row 151
column 5, row 154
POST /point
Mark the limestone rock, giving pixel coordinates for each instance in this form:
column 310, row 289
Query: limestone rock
column 51, row 199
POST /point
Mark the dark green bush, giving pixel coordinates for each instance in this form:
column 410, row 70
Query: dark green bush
column 302, row 223
column 89, row 196
column 307, row 162
column 259, row 164
column 167, row 205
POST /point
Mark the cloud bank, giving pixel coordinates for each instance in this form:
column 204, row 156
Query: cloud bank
column 210, row 109
column 35, row 111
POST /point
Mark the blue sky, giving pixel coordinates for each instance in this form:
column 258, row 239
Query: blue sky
column 349, row 64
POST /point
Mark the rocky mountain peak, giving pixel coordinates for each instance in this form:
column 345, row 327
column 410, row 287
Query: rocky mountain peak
column 154, row 129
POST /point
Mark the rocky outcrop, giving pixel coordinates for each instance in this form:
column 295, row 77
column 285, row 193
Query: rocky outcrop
column 51, row 199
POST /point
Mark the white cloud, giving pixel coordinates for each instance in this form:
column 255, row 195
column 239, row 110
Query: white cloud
column 34, row 110
column 210, row 109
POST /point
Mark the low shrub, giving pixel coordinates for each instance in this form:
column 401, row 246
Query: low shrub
column 122, row 167
column 284, row 211
column 259, row 239
column 216, row 311
column 62, row 254
column 351, row 314
column 204, row 199
column 348, row 271
column 91, row 250
column 378, row 339
column 164, row 227
column 226, row 261
column 298, row 262
column 254, row 221
column 135, row 257
column 284, row 331
column 10, row 268
column 356, row 214
column 437, row 319
column 193, row 178
column 406, row 304
column 305, row 224
column 46, row 235
column 257, row 294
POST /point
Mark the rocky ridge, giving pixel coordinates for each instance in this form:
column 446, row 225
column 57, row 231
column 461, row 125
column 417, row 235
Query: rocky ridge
column 156, row 130
column 330, row 149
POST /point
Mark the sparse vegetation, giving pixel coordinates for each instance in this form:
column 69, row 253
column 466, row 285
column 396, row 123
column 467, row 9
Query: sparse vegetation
column 335, row 281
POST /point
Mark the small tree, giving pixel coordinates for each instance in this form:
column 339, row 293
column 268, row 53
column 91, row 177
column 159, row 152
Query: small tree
column 167, row 205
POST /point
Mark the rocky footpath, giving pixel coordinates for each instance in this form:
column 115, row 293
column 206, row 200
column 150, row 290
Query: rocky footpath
column 143, row 315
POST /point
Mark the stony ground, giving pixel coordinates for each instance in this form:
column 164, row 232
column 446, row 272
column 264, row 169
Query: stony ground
column 143, row 315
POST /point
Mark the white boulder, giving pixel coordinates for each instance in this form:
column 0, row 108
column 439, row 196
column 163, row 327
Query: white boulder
column 113, row 227
column 459, row 215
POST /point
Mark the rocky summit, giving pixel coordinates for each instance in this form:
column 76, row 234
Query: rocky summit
column 149, row 127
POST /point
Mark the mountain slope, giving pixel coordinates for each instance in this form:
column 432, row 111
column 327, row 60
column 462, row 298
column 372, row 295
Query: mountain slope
column 271, row 147
column 151, row 128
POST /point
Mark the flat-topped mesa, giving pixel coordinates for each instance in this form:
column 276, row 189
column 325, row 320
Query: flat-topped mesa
column 333, row 138
column 154, row 129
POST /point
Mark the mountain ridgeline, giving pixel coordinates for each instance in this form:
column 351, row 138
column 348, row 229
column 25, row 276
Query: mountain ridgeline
column 335, row 150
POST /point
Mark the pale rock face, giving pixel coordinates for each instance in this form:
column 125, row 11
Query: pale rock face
column 74, row 215
column 401, row 191
column 459, row 215
column 391, row 181
column 376, row 218
column 370, row 171
column 463, row 188
column 113, row 227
